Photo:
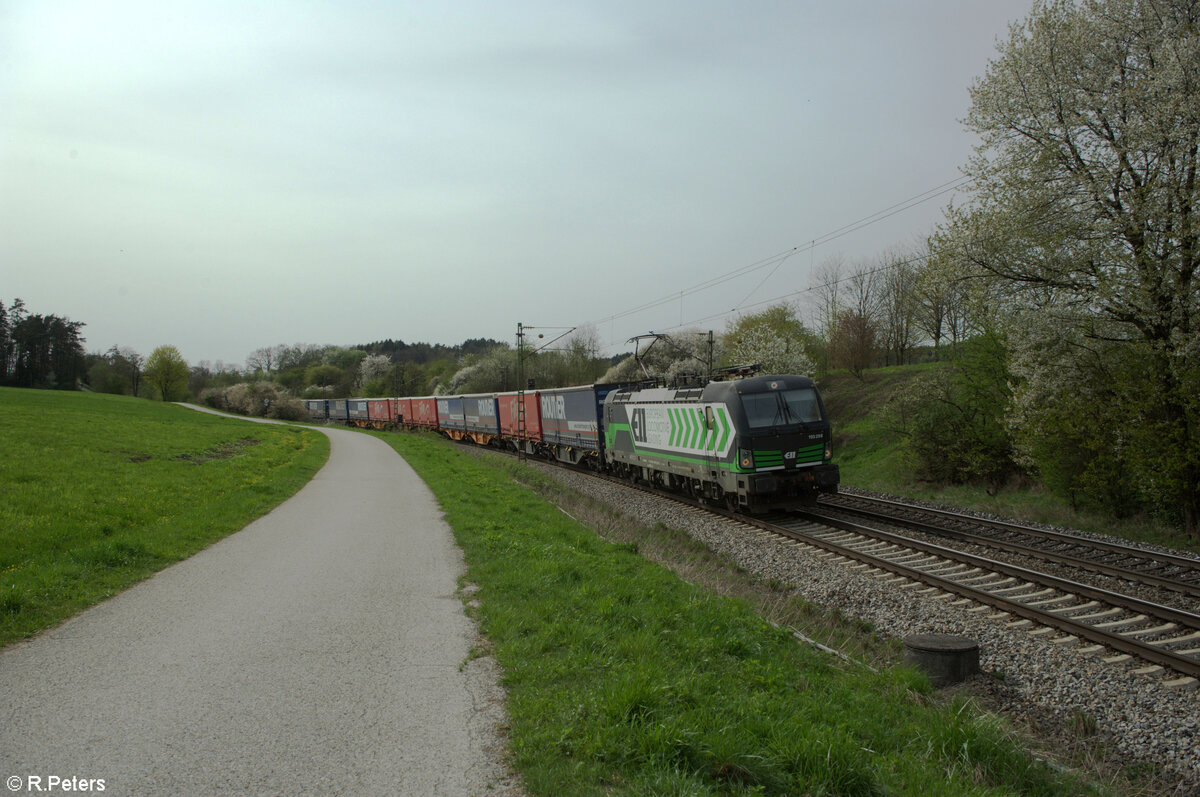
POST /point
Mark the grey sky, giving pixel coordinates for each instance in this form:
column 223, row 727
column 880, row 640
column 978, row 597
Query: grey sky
column 224, row 176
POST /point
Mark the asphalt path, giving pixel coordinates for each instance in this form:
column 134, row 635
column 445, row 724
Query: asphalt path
column 323, row 649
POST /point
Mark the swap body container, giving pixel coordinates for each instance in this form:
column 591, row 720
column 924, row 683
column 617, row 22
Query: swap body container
column 509, row 407
column 318, row 409
column 450, row 415
column 424, row 413
column 382, row 412
column 480, row 417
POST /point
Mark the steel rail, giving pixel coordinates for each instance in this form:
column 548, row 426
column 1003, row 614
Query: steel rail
column 1161, row 557
column 1116, row 641
column 1136, row 576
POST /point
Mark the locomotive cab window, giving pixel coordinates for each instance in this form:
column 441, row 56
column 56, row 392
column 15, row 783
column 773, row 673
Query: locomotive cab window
column 781, row 408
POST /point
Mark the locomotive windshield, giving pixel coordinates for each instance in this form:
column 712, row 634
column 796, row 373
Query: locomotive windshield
column 781, row 407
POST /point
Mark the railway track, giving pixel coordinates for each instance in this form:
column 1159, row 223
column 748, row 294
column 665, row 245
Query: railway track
column 1179, row 574
column 1115, row 626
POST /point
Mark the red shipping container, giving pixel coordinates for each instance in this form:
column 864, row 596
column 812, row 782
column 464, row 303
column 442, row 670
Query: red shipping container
column 424, row 412
column 381, row 411
column 508, row 416
column 404, row 410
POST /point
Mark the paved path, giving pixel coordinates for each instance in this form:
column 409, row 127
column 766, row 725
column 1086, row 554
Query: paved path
column 317, row 651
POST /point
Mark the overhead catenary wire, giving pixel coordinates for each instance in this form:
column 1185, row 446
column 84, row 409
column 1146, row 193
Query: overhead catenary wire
column 789, row 296
column 777, row 259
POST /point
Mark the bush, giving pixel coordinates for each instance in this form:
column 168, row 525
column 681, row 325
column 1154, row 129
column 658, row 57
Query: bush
column 257, row 399
column 953, row 421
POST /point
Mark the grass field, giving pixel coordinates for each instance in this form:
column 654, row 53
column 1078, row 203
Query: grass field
column 98, row 492
column 625, row 679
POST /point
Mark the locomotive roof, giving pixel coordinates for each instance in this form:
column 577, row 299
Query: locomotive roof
column 755, row 384
column 713, row 391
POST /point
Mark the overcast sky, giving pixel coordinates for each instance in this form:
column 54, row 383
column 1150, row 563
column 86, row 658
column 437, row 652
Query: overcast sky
column 224, row 176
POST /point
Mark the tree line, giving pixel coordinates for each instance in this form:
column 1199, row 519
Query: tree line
column 39, row 350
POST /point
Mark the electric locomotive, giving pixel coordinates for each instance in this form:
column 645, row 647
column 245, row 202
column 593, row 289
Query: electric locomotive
column 754, row 444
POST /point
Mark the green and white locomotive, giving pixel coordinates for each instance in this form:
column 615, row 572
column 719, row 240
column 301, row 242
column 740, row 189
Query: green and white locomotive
column 754, row 444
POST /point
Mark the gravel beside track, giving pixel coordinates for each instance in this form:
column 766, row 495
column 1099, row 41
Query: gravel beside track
column 1145, row 722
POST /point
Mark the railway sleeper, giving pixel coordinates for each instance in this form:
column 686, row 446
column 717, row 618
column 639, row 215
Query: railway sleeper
column 1079, row 608
column 1179, row 641
column 1186, row 683
column 1151, row 669
column 1005, row 590
column 1050, row 601
column 977, row 581
column 1039, row 594
column 916, row 559
column 1115, row 624
column 1098, row 615
column 952, row 568
column 1161, row 629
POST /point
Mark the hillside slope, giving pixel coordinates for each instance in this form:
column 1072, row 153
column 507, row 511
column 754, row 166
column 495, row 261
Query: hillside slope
column 871, row 457
column 867, row 450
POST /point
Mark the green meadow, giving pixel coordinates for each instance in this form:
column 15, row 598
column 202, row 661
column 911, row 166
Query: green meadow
column 98, row 492
column 623, row 678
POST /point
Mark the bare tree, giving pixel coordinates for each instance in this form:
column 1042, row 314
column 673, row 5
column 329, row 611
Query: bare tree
column 262, row 360
column 827, row 294
column 853, row 343
column 898, row 305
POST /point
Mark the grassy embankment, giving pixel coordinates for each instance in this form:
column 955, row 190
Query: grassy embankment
column 871, row 457
column 625, row 679
column 98, row 492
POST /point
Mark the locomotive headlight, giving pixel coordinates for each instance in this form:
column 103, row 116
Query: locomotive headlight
column 746, row 457
column 828, row 451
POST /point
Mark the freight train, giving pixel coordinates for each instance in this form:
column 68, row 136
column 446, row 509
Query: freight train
column 753, row 444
